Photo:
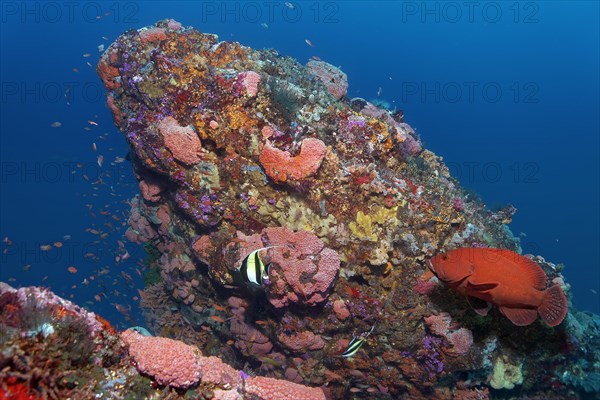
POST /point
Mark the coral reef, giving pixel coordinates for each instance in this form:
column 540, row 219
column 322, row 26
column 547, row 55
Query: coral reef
column 81, row 357
column 238, row 149
column 170, row 362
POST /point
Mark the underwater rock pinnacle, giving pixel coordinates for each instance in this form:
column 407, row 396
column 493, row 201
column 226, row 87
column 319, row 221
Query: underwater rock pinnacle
column 249, row 161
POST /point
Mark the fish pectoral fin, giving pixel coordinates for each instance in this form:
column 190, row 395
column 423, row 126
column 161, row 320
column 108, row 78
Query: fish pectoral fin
column 481, row 307
column 481, row 287
column 520, row 316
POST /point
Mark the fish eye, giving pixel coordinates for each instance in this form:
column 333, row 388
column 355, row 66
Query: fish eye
column 444, row 257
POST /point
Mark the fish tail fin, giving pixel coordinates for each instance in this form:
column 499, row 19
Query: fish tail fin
column 554, row 306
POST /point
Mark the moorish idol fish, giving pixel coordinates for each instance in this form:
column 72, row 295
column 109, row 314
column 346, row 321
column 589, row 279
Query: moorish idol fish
column 252, row 268
column 356, row 343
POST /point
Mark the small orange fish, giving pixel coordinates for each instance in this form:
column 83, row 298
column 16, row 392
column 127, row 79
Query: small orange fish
column 516, row 284
column 72, row 269
column 218, row 307
column 217, row 318
column 58, row 245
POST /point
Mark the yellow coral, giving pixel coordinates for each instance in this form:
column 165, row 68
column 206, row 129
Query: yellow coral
column 293, row 213
column 363, row 227
column 506, row 375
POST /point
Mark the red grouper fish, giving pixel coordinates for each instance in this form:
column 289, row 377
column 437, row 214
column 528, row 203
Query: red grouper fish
column 514, row 283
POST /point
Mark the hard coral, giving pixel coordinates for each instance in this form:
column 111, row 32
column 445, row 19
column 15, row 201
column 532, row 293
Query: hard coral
column 248, row 83
column 250, row 340
column 216, row 372
column 152, row 34
column 301, row 341
column 150, row 189
column 460, row 339
column 280, row 166
column 169, row 362
column 277, row 389
column 302, row 270
column 506, row 375
column 335, row 81
column 182, row 141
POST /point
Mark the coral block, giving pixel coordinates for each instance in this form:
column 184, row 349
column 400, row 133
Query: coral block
column 461, row 340
column 301, row 341
column 248, row 82
column 340, row 309
column 441, row 325
column 152, row 34
column 280, row 166
column 150, row 190
column 332, row 77
column 277, row 389
column 250, row 340
column 182, row 141
column 169, row 362
column 216, row 372
column 303, row 270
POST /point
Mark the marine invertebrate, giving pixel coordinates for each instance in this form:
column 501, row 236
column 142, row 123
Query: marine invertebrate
column 182, row 141
column 277, row 389
column 280, row 165
column 168, row 361
column 248, row 82
column 460, row 339
column 301, row 341
column 506, row 374
column 150, row 189
column 335, row 81
column 303, row 269
column 51, row 346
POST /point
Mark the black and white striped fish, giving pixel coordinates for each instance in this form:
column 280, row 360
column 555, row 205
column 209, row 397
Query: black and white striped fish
column 356, row 343
column 253, row 269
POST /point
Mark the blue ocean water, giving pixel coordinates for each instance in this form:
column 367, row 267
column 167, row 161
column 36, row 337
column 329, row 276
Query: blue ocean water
column 506, row 92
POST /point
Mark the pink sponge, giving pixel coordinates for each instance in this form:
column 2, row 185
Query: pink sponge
column 333, row 78
column 169, row 362
column 182, row 141
column 280, row 166
column 302, row 268
column 216, row 372
column 277, row 389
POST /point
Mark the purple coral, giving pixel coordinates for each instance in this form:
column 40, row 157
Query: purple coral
column 431, row 358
